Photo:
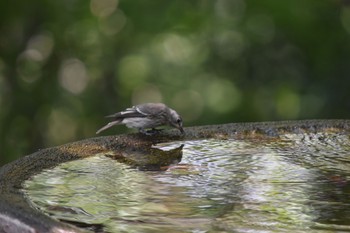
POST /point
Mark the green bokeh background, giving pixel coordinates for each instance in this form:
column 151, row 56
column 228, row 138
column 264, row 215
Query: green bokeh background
column 65, row 64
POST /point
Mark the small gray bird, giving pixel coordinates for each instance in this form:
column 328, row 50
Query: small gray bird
column 146, row 116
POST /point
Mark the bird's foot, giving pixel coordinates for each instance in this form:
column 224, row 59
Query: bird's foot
column 150, row 132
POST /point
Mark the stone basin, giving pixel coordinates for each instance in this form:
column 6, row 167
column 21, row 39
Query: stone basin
column 19, row 214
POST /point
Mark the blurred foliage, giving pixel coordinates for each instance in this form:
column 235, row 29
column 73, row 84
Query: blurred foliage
column 65, row 64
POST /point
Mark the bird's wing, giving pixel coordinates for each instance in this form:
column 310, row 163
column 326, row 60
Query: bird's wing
column 150, row 109
column 128, row 113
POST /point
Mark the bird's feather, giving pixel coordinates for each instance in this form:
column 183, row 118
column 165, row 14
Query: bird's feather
column 128, row 113
column 151, row 109
column 110, row 124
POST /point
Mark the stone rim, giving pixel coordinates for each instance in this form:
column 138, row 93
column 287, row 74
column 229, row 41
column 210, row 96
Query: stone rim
column 17, row 215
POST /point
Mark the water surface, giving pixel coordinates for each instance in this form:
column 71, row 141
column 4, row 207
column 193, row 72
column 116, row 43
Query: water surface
column 297, row 183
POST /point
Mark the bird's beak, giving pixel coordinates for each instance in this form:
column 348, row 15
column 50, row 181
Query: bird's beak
column 181, row 129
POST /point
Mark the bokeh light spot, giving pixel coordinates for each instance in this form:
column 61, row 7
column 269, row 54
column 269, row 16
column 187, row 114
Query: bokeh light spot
column 29, row 65
column 230, row 9
column 288, row 104
column 230, row 44
column 103, row 8
column 189, row 104
column 61, row 127
column 133, row 71
column 222, row 96
column 147, row 93
column 30, row 61
column 73, row 76
column 113, row 24
column 345, row 18
column 261, row 27
column 174, row 48
column 43, row 44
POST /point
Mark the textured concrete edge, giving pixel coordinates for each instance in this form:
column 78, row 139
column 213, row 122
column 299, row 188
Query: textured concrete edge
column 16, row 214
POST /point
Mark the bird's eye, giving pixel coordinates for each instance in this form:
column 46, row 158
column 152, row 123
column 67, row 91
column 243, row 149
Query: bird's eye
column 178, row 121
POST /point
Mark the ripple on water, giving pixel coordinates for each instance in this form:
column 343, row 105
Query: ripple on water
column 299, row 182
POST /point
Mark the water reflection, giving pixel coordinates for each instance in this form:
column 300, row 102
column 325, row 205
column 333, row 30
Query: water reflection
column 149, row 159
column 296, row 183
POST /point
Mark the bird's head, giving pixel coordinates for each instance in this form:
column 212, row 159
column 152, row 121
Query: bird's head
column 175, row 120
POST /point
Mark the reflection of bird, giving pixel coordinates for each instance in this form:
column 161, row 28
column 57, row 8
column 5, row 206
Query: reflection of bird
column 146, row 116
column 148, row 158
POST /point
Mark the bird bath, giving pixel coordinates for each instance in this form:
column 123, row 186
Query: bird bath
column 252, row 177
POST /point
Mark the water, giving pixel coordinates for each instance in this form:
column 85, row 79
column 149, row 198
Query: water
column 298, row 183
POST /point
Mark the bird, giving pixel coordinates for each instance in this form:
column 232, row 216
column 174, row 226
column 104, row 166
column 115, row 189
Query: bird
column 146, row 116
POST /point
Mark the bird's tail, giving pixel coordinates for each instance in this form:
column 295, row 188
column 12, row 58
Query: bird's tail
column 110, row 124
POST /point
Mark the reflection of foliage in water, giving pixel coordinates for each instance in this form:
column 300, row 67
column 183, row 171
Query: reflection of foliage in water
column 290, row 183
